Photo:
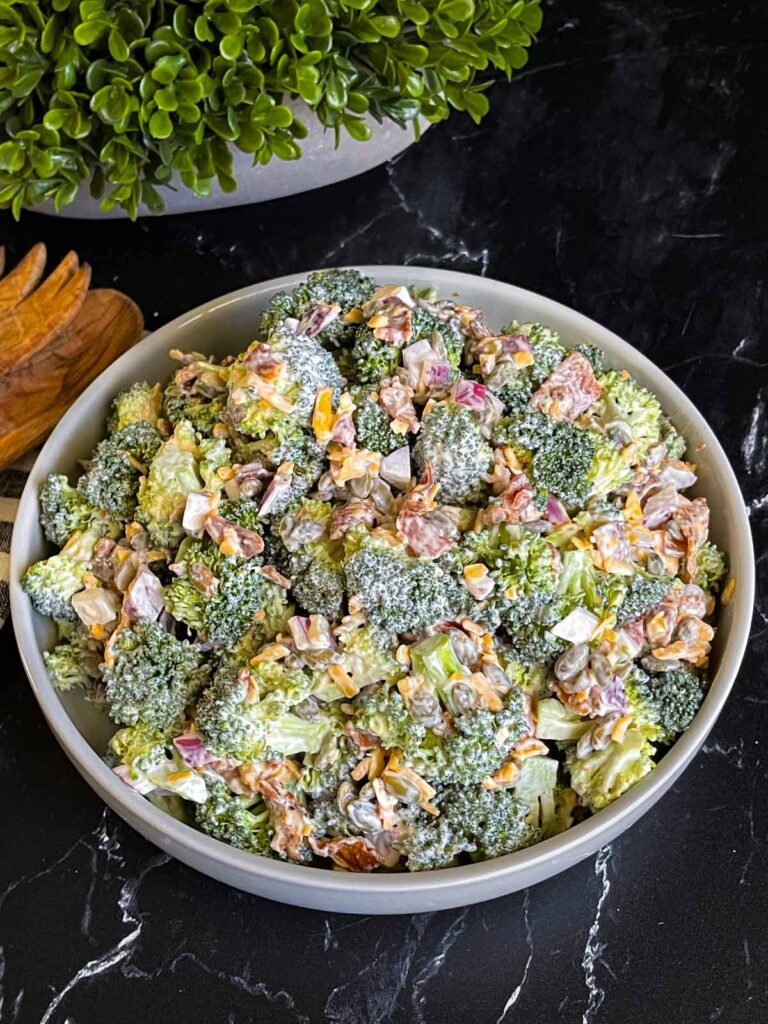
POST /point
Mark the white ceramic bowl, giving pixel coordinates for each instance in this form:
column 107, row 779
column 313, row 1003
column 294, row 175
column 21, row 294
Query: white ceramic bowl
column 226, row 325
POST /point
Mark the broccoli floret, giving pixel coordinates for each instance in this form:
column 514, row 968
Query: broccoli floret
column 141, row 402
column 517, row 559
column 152, row 676
column 305, row 367
column 676, row 695
column 315, row 568
column 527, row 632
column 202, row 412
column 73, row 664
column 516, row 394
column 562, row 464
column 642, row 594
column 603, row 775
column 595, row 355
column 473, row 820
column 281, row 307
column 143, row 748
column 243, row 822
column 371, row 358
column 424, row 325
column 347, row 288
column 173, row 475
column 232, row 724
column 368, row 655
column 63, row 510
column 608, row 470
column 711, row 567
column 476, row 744
column 52, row 583
column 373, row 426
column 385, row 714
column 526, row 430
column 239, row 592
column 630, row 407
column 476, row 747
column 111, row 481
column 450, row 441
column 672, row 440
column 546, row 347
column 398, row 593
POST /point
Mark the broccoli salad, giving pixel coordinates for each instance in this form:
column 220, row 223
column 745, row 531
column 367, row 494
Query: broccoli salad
column 393, row 589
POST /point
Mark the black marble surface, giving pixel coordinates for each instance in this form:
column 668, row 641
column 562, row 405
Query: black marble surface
column 623, row 173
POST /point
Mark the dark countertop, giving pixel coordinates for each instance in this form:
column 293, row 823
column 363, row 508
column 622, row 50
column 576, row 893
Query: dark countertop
column 623, row 172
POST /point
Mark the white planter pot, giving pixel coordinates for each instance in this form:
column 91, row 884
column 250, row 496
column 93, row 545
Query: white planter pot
column 321, row 164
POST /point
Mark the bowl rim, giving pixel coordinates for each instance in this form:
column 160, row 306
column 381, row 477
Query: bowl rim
column 576, row 842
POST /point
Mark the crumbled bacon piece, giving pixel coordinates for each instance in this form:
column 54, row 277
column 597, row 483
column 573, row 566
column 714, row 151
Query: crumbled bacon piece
column 396, row 399
column 233, row 539
column 264, row 360
column 511, row 506
column 270, row 572
column 201, row 577
column 569, row 390
column 317, row 317
column 352, row 853
column 360, row 511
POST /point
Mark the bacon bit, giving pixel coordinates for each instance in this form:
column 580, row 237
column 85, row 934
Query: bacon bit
column 233, row 539
column 569, row 390
column 203, row 580
column 343, row 680
column 511, row 506
column 350, row 853
column 692, row 517
column 317, row 317
column 271, row 652
column 354, row 513
column 288, row 818
column 363, row 740
column 503, row 777
column 396, row 327
column 728, row 591
column 396, row 398
column 262, row 358
column 271, row 573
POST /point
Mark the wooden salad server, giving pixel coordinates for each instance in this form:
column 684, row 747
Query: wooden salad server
column 53, row 342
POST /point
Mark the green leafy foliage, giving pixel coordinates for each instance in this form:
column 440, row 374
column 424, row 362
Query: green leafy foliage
column 124, row 95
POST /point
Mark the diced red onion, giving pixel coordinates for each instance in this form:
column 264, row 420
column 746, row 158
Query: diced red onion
column 191, row 748
column 556, row 511
column 469, row 393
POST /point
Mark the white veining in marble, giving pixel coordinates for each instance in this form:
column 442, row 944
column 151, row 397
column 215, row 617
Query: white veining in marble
column 515, row 995
column 593, row 951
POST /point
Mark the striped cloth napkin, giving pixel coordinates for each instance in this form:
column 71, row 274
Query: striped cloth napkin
column 12, row 482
